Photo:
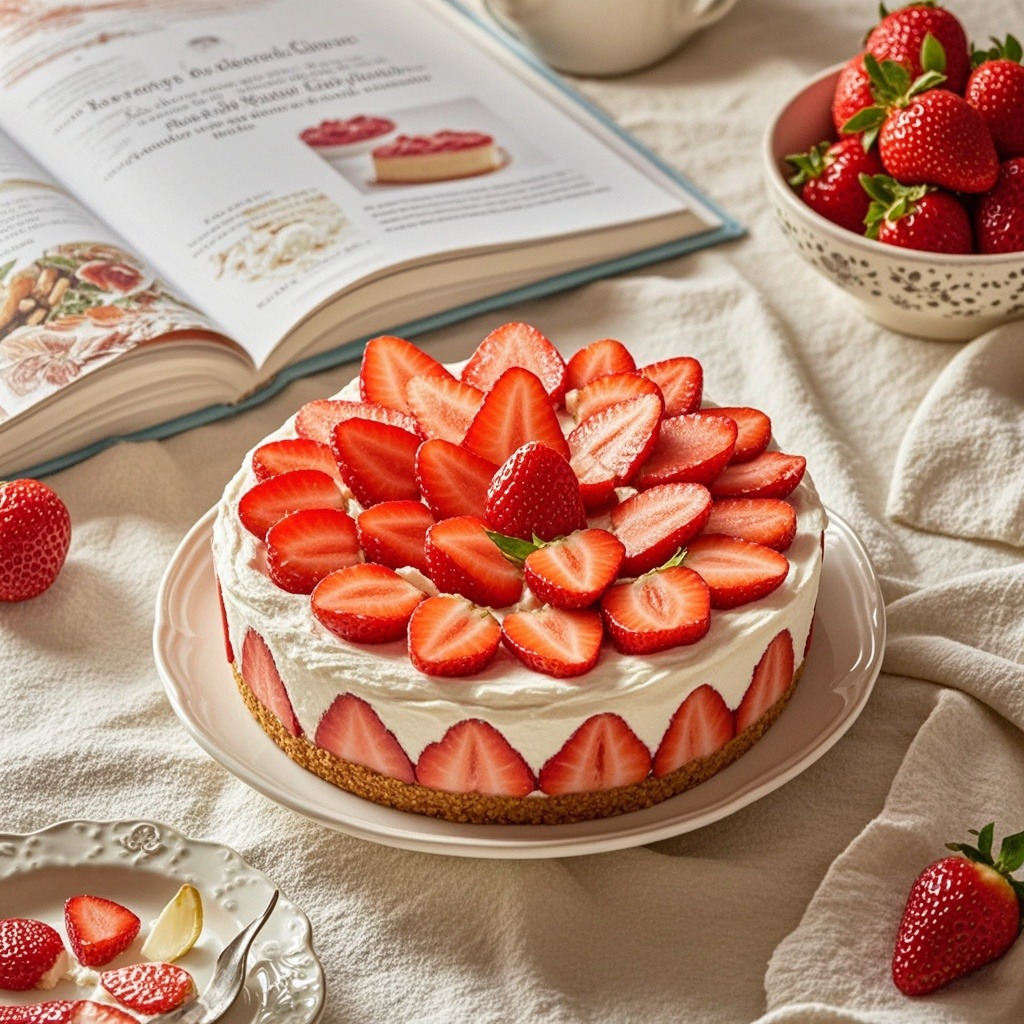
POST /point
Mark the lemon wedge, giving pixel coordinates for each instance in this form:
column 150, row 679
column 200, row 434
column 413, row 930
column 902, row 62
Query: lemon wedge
column 177, row 928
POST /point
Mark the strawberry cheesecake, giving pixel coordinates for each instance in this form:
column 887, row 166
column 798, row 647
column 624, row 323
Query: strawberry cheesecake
column 519, row 590
column 333, row 138
column 442, row 156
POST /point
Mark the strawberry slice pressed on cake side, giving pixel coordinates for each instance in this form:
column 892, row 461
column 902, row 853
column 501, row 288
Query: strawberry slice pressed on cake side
column 701, row 726
column 474, row 757
column 772, row 677
column 259, row 672
column 603, row 753
column 352, row 730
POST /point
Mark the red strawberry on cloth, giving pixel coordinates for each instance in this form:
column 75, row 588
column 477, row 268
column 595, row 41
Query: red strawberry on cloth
column 828, row 180
column 916, row 217
column 98, row 929
column 996, row 90
column 901, row 34
column 149, row 988
column 35, row 533
column 999, row 215
column 962, row 912
column 31, row 954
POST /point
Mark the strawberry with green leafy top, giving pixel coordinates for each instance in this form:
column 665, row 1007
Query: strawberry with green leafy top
column 853, row 91
column 900, row 35
column 962, row 912
column 916, row 216
column 996, row 90
column 828, row 180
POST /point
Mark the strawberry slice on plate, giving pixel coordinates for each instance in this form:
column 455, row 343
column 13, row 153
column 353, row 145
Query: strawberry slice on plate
column 450, row 636
column 394, row 533
column 516, row 410
column 575, row 571
column 772, row 678
column 265, row 503
column 556, row 641
column 98, row 929
column 365, row 603
column 352, row 730
column 259, row 672
column 31, row 954
column 149, row 988
column 316, row 420
column 701, row 726
column 462, row 559
column 443, row 406
column 304, row 546
column 691, row 448
column 473, row 757
column 767, row 521
column 668, row 607
column 453, row 481
column 768, row 475
column 754, row 430
column 535, row 493
column 277, row 457
column 681, row 380
column 736, row 571
column 602, row 753
column 377, row 460
column 608, row 448
column 389, row 363
column 606, row 391
column 598, row 359
column 64, row 1011
column 519, row 345
column 653, row 524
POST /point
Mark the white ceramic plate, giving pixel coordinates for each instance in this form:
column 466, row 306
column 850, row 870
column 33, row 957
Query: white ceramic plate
column 849, row 637
column 141, row 865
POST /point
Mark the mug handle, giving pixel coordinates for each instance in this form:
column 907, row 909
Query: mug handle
column 707, row 11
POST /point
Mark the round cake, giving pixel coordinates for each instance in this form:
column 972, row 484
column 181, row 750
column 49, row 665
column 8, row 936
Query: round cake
column 334, row 138
column 442, row 156
column 519, row 590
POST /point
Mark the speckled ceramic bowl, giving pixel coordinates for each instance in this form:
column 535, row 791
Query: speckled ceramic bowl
column 948, row 298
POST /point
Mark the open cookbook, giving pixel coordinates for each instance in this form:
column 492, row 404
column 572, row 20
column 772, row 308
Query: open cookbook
column 203, row 199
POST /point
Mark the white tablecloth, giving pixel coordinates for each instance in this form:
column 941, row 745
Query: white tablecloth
column 784, row 911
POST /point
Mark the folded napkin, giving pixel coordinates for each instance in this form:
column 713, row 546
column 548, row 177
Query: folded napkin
column 960, row 468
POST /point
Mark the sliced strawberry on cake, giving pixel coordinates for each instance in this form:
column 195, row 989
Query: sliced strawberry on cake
column 305, row 546
column 754, row 430
column 556, row 641
column 520, row 345
column 602, row 753
column 474, row 757
column 452, row 480
column 772, row 678
column 462, row 559
column 394, row 533
column 352, row 730
column 767, row 521
column 388, row 364
column 598, row 359
column 701, row 726
column 377, row 460
column 606, row 391
column 288, row 453
column 443, row 406
column 667, row 607
column 736, row 571
column 450, row 636
column 681, row 381
column 260, row 675
column 365, row 603
column 768, row 475
column 316, row 420
column 691, row 448
column 267, row 502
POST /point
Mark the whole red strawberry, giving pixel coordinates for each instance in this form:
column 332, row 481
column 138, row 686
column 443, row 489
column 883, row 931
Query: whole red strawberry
column 999, row 215
column 962, row 912
column 916, row 217
column 535, row 493
column 900, row 35
column 853, row 91
column 35, row 531
column 828, row 177
column 996, row 90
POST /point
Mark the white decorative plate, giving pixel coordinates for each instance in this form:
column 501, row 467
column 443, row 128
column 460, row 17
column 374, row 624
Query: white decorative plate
column 849, row 637
column 142, row 864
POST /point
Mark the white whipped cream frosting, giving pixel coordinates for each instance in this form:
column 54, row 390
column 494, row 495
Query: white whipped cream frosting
column 536, row 713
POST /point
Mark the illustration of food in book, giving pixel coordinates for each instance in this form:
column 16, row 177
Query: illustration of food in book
column 283, row 237
column 74, row 307
column 339, row 138
column 440, row 156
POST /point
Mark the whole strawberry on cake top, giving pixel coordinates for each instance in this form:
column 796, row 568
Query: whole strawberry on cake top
column 519, row 590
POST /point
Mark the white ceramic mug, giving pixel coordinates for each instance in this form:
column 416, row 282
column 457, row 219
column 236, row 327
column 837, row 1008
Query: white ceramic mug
column 604, row 37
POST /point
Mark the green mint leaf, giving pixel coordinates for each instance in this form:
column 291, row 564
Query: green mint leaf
column 514, row 549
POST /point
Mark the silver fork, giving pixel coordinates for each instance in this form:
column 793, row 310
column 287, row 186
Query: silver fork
column 228, row 975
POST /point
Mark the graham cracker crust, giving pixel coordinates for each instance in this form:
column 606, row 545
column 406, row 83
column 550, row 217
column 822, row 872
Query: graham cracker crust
column 478, row 808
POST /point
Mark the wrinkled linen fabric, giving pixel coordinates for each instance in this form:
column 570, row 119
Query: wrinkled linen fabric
column 786, row 910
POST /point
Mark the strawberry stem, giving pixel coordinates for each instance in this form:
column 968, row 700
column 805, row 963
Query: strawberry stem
column 514, row 549
column 1011, row 857
column 889, row 200
column 1010, row 50
column 809, row 165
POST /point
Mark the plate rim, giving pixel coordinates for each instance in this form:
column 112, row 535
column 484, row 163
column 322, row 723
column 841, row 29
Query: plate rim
column 9, row 868
column 522, row 843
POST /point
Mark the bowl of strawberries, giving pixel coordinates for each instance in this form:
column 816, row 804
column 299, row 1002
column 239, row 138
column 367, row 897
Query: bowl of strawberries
column 899, row 175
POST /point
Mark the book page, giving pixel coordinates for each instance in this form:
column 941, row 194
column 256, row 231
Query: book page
column 72, row 298
column 265, row 154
